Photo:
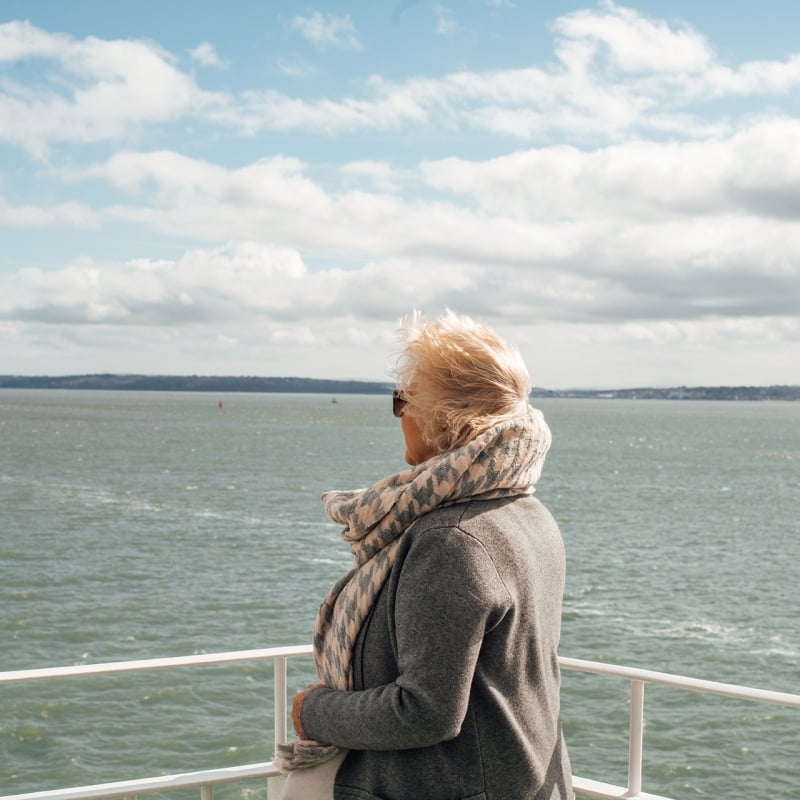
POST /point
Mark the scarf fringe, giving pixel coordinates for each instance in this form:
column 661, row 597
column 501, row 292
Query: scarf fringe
column 302, row 755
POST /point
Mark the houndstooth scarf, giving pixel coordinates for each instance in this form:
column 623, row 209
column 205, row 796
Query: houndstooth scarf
column 504, row 461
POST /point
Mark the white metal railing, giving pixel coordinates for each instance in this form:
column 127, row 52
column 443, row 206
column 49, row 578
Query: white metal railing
column 205, row 780
column 638, row 678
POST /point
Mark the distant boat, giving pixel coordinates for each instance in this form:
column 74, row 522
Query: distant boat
column 334, row 400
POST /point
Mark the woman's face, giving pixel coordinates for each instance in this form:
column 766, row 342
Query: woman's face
column 417, row 450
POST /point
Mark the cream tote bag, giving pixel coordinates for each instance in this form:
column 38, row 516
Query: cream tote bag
column 313, row 783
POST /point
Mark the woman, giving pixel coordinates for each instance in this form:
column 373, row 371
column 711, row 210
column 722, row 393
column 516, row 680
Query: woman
column 437, row 652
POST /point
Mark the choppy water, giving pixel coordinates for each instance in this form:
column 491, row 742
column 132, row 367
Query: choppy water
column 138, row 525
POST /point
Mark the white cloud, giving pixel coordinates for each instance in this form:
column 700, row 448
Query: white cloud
column 379, row 175
column 272, row 110
column 631, row 41
column 103, row 89
column 21, row 40
column 206, row 54
column 662, row 231
column 226, row 307
column 231, row 306
column 617, row 73
column 203, row 285
column 294, row 334
column 66, row 215
column 328, row 30
column 755, row 171
column 294, row 67
column 445, row 21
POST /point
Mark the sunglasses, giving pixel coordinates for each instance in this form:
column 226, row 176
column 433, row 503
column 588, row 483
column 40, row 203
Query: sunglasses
column 399, row 402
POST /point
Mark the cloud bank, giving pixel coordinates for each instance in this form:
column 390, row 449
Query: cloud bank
column 640, row 212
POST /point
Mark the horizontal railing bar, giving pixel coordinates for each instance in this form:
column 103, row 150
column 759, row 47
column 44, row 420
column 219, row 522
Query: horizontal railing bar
column 188, row 780
column 112, row 667
column 584, row 787
column 682, row 682
column 580, row 665
column 184, row 780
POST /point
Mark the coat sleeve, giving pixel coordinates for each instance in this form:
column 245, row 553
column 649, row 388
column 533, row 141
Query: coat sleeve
column 449, row 595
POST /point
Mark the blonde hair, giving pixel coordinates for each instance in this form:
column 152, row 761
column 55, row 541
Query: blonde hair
column 459, row 378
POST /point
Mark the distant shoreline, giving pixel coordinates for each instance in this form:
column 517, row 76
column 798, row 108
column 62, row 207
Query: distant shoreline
column 215, row 383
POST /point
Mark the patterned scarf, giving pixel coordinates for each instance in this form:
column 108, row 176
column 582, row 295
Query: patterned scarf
column 504, row 461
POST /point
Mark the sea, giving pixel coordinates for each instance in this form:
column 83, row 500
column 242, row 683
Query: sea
column 150, row 524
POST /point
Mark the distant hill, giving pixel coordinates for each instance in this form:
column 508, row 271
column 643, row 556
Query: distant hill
column 193, row 383
column 217, row 383
column 682, row 393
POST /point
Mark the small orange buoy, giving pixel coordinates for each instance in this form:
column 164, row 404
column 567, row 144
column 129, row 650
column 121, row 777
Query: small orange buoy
column 220, row 403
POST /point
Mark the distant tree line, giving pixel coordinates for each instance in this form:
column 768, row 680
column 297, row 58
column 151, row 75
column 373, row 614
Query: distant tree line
column 250, row 383
column 193, row 383
column 683, row 393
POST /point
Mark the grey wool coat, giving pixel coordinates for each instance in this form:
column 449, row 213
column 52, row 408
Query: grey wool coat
column 457, row 683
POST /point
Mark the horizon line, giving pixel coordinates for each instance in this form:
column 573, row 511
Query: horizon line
column 387, row 383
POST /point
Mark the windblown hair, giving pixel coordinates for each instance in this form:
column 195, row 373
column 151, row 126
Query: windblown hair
column 459, row 378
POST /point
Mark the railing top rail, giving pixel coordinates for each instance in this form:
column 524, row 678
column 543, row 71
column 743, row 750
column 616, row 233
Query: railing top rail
column 681, row 682
column 111, row 667
column 270, row 653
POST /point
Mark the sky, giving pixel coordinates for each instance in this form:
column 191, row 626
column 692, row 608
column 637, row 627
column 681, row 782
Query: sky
column 251, row 188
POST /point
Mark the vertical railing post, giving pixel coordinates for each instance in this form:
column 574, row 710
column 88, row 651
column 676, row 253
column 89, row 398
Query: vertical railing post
column 635, row 745
column 280, row 699
column 275, row 784
column 207, row 791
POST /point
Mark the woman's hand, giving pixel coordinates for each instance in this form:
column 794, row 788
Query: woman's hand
column 297, row 704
